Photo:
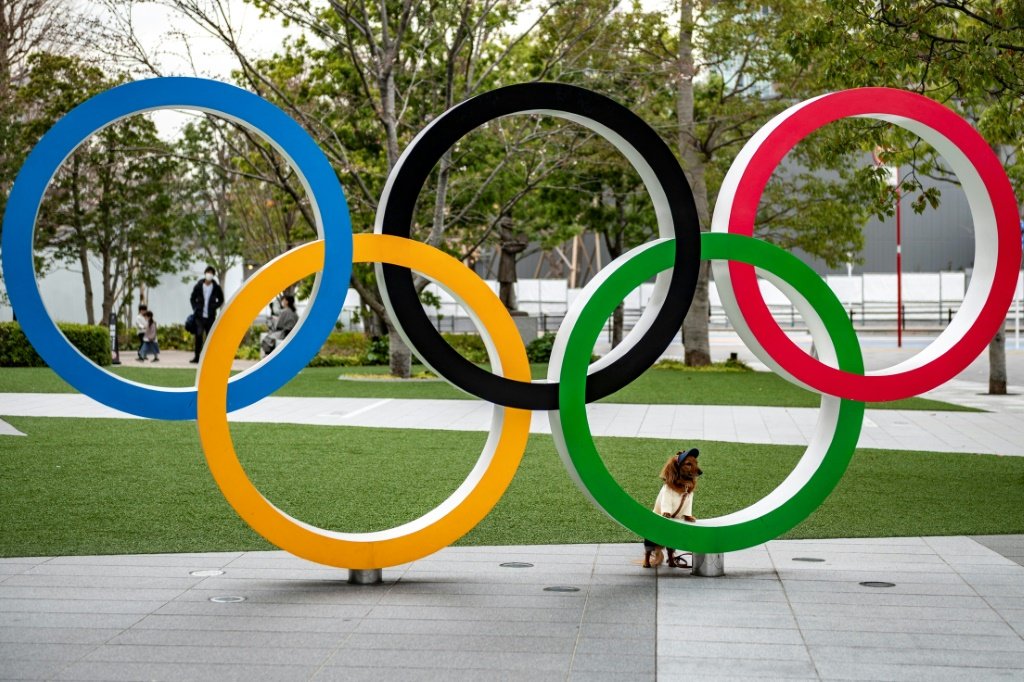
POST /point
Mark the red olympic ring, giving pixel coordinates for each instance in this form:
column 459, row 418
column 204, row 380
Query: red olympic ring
column 997, row 242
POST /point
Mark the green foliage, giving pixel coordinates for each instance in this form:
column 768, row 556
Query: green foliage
column 174, row 337
column 16, row 351
column 377, row 351
column 539, row 350
column 469, row 346
column 728, row 365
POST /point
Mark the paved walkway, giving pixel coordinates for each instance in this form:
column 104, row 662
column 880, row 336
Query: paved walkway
column 967, row 432
column 955, row 612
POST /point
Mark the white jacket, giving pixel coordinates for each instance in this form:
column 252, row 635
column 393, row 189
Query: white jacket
column 668, row 502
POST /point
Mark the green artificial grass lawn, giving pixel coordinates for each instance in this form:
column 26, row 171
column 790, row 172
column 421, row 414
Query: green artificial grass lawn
column 93, row 486
column 655, row 386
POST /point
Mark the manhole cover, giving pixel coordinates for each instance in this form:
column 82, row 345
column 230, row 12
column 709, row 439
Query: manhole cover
column 808, row 558
column 561, row 588
column 877, row 583
column 516, row 564
column 226, row 600
column 205, row 574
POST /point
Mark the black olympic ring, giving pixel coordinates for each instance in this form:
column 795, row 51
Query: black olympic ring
column 664, row 179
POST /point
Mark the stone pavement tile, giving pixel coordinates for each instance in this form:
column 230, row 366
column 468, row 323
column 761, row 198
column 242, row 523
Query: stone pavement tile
column 903, row 625
column 855, row 576
column 865, row 611
column 323, row 575
column 553, row 615
column 68, row 620
column 233, row 622
column 286, row 592
column 737, row 651
column 593, row 676
column 463, row 642
column 796, row 589
column 273, row 655
column 907, row 640
column 396, row 627
column 679, row 605
column 371, row 674
column 178, row 583
column 644, row 646
column 386, row 660
column 912, row 656
column 31, row 669
column 197, row 672
column 78, row 606
column 24, row 560
column 682, row 667
column 211, row 559
column 85, row 570
column 106, row 594
column 668, row 637
column 537, row 599
column 881, row 672
column 57, row 635
column 732, row 619
column 34, row 651
column 227, row 638
column 884, row 597
column 588, row 629
column 248, row 609
column 621, row 663
column 701, row 595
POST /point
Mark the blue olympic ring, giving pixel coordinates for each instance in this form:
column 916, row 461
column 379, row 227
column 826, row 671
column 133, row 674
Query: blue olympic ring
column 322, row 187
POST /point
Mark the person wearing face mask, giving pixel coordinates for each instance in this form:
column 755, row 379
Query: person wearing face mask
column 207, row 297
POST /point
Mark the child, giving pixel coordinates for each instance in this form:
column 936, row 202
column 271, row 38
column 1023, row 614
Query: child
column 149, row 343
column 140, row 327
column 675, row 500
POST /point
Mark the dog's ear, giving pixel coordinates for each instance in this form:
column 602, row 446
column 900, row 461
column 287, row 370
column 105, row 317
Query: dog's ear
column 700, row 472
column 669, row 471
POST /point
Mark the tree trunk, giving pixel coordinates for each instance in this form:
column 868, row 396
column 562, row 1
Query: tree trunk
column 695, row 326
column 997, row 362
column 83, row 259
column 400, row 357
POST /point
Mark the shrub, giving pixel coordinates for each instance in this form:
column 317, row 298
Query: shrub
column 346, row 344
column 378, row 351
column 15, row 350
column 469, row 346
column 539, row 350
column 172, row 337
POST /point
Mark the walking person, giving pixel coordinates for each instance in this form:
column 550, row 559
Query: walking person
column 140, row 327
column 149, row 342
column 207, row 297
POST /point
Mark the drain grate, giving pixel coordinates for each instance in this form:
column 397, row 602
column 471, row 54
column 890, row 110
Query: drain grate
column 561, row 588
column 205, row 574
column 226, row 600
column 808, row 558
column 516, row 564
column 877, row 583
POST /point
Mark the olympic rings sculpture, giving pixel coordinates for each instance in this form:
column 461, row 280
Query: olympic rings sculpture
column 673, row 259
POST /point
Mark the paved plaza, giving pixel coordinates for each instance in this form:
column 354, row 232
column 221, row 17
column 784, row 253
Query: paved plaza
column 785, row 610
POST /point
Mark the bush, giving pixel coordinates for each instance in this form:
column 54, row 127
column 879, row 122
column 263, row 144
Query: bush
column 15, row 350
column 171, row 337
column 469, row 346
column 378, row 351
column 346, row 344
column 539, row 350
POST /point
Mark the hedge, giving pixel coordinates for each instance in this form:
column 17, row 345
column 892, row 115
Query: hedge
column 16, row 351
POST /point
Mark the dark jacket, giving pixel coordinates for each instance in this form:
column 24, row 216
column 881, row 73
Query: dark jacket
column 216, row 299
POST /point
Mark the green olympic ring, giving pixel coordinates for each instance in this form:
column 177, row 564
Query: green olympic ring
column 826, row 457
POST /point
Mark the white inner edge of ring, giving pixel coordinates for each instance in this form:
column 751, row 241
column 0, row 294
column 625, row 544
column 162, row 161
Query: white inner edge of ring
column 661, row 208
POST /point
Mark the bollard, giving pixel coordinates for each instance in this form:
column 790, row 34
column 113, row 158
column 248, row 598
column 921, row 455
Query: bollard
column 365, row 576
column 709, row 565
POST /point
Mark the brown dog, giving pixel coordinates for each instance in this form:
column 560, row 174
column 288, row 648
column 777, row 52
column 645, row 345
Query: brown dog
column 675, row 501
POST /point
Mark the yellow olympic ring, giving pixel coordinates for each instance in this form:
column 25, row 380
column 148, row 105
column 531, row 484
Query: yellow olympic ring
column 441, row 526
